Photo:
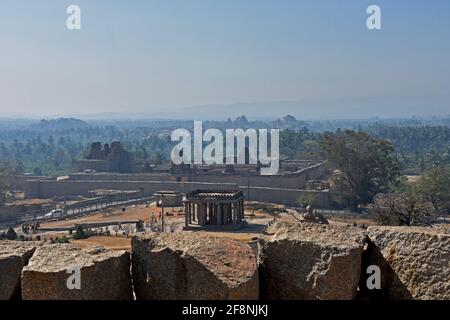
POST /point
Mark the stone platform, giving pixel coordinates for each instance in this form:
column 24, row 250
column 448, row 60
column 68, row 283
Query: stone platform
column 225, row 227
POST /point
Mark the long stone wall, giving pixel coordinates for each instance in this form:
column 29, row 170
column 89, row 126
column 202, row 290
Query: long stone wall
column 296, row 180
column 48, row 189
column 280, row 189
column 288, row 197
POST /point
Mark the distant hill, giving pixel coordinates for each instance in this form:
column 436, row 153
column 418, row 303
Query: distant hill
column 319, row 109
column 60, row 124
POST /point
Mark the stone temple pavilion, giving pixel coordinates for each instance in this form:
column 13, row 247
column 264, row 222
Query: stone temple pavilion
column 214, row 209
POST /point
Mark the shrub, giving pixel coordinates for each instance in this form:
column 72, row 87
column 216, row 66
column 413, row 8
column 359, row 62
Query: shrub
column 80, row 233
column 11, row 234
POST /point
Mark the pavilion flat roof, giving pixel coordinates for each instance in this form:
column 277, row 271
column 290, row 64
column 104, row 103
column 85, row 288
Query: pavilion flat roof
column 214, row 195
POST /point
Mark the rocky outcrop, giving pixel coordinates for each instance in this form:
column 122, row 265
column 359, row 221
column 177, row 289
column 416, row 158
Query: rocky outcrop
column 14, row 255
column 193, row 266
column 308, row 261
column 414, row 262
column 297, row 260
column 103, row 274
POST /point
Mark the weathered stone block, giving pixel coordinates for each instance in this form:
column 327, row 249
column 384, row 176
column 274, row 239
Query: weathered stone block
column 187, row 265
column 104, row 275
column 414, row 262
column 306, row 261
column 14, row 255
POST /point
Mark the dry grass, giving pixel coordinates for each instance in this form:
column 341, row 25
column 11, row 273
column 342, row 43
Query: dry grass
column 176, row 218
column 113, row 243
column 133, row 213
column 358, row 221
column 241, row 236
column 30, row 202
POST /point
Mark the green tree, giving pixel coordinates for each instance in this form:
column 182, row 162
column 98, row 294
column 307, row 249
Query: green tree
column 366, row 166
column 5, row 176
column 37, row 171
column 20, row 169
column 401, row 209
column 434, row 186
column 305, row 200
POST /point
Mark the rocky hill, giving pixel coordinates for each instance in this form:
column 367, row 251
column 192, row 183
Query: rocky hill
column 60, row 124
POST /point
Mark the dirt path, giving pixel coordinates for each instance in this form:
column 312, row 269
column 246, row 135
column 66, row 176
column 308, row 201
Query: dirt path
column 132, row 213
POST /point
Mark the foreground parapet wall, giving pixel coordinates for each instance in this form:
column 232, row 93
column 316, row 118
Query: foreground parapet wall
column 304, row 261
column 194, row 267
column 103, row 274
column 414, row 262
column 293, row 260
column 14, row 256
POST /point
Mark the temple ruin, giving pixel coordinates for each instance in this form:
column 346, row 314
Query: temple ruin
column 214, row 209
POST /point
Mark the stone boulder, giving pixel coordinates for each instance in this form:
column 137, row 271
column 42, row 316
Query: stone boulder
column 14, row 255
column 314, row 218
column 414, row 262
column 185, row 266
column 309, row 261
column 104, row 275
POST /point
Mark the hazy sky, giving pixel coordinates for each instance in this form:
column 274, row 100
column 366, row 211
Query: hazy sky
column 154, row 56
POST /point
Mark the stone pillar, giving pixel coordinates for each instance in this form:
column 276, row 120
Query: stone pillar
column 198, row 209
column 190, row 213
column 219, row 214
column 200, row 213
column 186, row 214
column 203, row 214
column 214, row 210
column 238, row 212
column 211, row 213
column 233, row 213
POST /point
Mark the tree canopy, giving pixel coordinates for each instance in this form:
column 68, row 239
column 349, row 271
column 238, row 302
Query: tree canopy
column 401, row 209
column 5, row 175
column 366, row 166
column 434, row 186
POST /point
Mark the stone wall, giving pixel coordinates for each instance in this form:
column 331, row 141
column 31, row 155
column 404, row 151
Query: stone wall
column 11, row 213
column 293, row 260
column 296, row 180
column 322, row 199
column 414, row 262
column 103, row 274
column 48, row 189
column 303, row 261
column 280, row 189
column 193, row 266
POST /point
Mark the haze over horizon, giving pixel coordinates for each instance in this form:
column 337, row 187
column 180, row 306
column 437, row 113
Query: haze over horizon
column 211, row 59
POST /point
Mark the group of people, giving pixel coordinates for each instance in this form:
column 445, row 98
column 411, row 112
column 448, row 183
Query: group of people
column 154, row 218
column 32, row 227
column 140, row 226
